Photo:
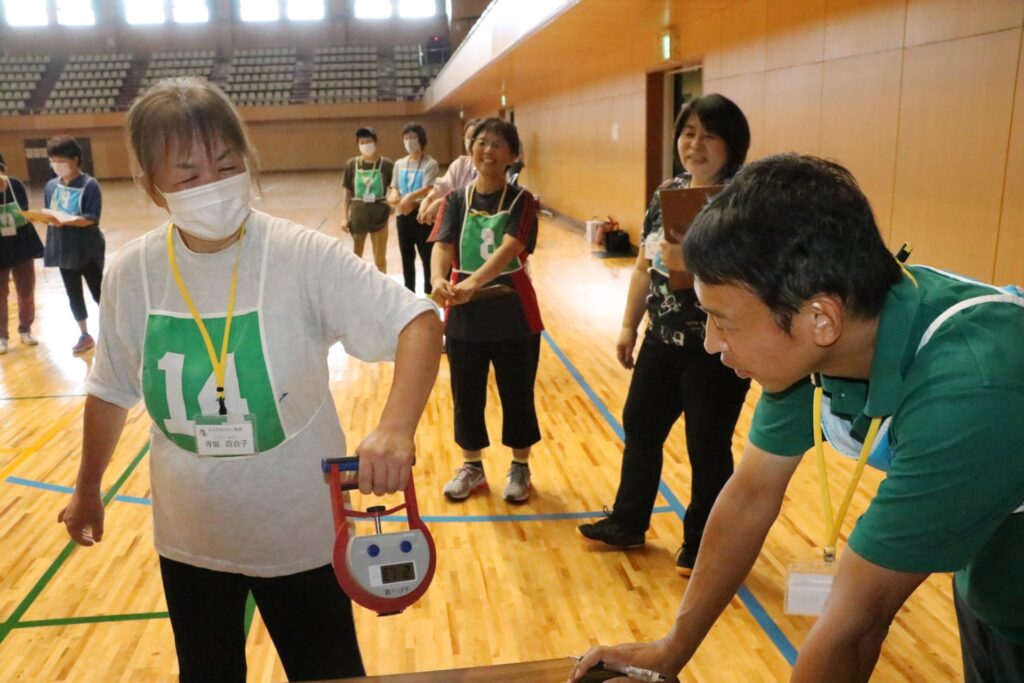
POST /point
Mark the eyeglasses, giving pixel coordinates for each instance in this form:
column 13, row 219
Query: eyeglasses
column 493, row 144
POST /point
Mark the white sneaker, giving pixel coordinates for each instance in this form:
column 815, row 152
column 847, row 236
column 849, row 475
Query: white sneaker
column 518, row 488
column 28, row 340
column 3, row 346
column 467, row 480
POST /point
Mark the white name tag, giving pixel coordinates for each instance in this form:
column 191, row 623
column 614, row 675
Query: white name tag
column 651, row 246
column 227, row 436
column 807, row 587
column 369, row 198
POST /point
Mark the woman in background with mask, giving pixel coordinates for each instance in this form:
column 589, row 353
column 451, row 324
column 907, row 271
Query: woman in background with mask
column 460, row 173
column 414, row 175
column 221, row 320
column 19, row 246
column 75, row 244
column 364, row 206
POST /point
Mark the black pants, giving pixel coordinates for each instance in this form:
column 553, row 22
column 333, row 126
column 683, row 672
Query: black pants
column 515, row 369
column 412, row 238
column 307, row 614
column 93, row 274
column 988, row 657
column 668, row 381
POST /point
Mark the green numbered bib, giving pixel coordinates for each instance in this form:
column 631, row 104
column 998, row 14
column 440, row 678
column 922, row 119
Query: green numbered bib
column 178, row 382
column 369, row 185
column 482, row 234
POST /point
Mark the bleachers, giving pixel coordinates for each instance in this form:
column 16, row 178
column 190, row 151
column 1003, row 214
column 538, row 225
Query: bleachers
column 410, row 77
column 345, row 73
column 19, row 78
column 261, row 76
column 89, row 84
column 169, row 64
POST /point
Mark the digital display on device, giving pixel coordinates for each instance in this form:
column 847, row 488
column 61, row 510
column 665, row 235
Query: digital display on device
column 395, row 573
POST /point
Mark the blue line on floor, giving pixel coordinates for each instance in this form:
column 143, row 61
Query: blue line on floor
column 538, row 517
column 770, row 628
column 56, row 488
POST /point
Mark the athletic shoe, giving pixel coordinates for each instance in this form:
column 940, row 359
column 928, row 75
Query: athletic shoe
column 686, row 559
column 608, row 532
column 3, row 346
column 28, row 340
column 85, row 342
column 517, row 489
column 468, row 479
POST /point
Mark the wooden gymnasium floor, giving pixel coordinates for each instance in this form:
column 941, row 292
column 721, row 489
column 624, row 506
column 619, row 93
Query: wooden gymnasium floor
column 513, row 583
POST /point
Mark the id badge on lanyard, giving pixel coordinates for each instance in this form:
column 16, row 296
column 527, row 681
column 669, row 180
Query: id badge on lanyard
column 808, row 584
column 8, row 228
column 8, row 223
column 226, row 435
column 223, row 435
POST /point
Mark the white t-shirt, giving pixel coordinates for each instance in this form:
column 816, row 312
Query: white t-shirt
column 268, row 514
column 460, row 173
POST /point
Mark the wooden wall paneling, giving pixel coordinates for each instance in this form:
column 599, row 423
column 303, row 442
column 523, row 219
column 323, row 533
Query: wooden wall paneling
column 743, row 37
column 954, row 126
column 748, row 93
column 795, row 32
column 701, row 39
column 792, row 109
column 929, row 21
column 859, row 123
column 856, row 27
column 1010, row 246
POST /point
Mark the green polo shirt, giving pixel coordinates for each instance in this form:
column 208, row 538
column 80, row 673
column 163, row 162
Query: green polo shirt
column 957, row 439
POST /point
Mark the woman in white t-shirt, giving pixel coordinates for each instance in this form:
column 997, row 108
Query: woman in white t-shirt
column 195, row 322
column 413, row 177
column 459, row 174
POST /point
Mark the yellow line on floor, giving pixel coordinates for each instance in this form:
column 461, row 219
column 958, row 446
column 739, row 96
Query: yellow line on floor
column 43, row 439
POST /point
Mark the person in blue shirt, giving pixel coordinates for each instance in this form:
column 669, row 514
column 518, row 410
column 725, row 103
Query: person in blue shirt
column 75, row 245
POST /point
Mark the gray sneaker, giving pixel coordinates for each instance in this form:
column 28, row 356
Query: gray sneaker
column 518, row 488
column 468, row 479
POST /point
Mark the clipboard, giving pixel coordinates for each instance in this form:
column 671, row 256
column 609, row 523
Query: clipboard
column 678, row 209
column 48, row 216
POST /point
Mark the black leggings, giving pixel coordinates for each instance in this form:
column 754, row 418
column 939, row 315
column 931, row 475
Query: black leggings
column 93, row 274
column 668, row 381
column 412, row 238
column 515, row 369
column 307, row 614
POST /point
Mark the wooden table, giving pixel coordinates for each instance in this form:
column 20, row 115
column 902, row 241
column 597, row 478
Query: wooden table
column 548, row 671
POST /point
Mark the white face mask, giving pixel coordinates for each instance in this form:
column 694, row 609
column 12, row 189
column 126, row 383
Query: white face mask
column 62, row 169
column 212, row 212
column 367, row 148
column 412, row 145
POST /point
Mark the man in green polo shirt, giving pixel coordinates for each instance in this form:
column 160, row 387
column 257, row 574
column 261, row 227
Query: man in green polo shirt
column 797, row 282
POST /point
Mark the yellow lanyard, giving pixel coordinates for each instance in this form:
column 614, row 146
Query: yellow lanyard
column 219, row 366
column 833, row 523
column 469, row 201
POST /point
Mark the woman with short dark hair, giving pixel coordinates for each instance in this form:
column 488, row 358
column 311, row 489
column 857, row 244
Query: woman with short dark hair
column 673, row 374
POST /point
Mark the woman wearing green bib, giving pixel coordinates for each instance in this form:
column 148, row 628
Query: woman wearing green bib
column 220, row 321
column 364, row 207
column 485, row 233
